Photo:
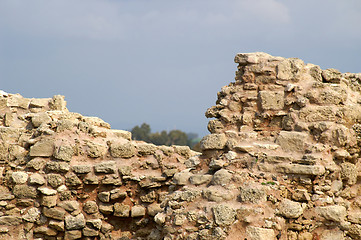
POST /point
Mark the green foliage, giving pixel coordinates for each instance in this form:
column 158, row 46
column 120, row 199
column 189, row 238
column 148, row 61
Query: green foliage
column 174, row 137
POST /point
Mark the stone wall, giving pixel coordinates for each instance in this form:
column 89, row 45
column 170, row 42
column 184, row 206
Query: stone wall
column 281, row 162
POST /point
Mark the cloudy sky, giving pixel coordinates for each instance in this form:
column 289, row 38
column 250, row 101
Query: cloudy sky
column 161, row 61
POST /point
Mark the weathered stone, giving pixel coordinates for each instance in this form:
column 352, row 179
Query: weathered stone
column 349, row 173
column 113, row 179
column 300, row 169
column 117, row 194
column 200, row 179
column 224, row 215
column 47, row 191
column 43, row 148
column 19, row 177
column 57, row 103
column 10, row 220
column 32, row 215
column 153, row 209
column 72, row 180
column 125, row 170
column 96, row 150
column 45, row 230
column 252, row 193
column 122, row 150
column 57, row 225
column 89, row 232
column 74, row 222
column 57, row 166
column 64, row 152
column 72, row 235
column 70, row 205
column 105, row 208
column 159, row 218
column 221, row 177
column 290, row 209
column 122, row 134
column 24, row 191
column 213, row 141
column 257, row 233
column 331, row 75
column 49, row 201
column 94, row 223
column 81, row 169
column 137, row 211
column 104, row 196
column 271, row 100
column 55, row 180
column 37, row 178
column 121, row 210
column 181, row 178
column 36, row 163
column 334, row 213
column 105, row 167
column 146, row 149
column 291, row 141
column 40, row 118
column 90, row 207
column 55, row 213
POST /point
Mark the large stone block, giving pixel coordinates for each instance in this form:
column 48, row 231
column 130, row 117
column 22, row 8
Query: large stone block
column 271, row 100
column 334, row 213
column 291, row 141
column 213, row 141
column 43, row 148
column 122, row 150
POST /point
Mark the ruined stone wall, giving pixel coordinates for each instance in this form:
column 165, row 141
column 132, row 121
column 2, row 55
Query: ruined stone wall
column 281, row 162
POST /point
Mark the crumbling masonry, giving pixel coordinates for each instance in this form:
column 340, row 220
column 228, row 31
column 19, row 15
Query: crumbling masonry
column 281, row 162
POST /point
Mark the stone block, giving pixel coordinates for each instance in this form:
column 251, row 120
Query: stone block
column 290, row 209
column 81, row 169
column 64, row 152
column 137, row 211
column 292, row 141
column 57, row 166
column 224, row 215
column 122, row 150
column 121, row 210
column 24, row 191
column 349, row 173
column 252, row 193
column 37, row 178
column 72, row 235
column 43, row 148
column 55, row 213
column 40, row 118
column 300, row 169
column 335, row 213
column 75, row 222
column 19, row 177
column 331, row 75
column 222, row 177
column 90, row 207
column 271, row 100
column 213, row 141
column 105, row 167
column 96, row 150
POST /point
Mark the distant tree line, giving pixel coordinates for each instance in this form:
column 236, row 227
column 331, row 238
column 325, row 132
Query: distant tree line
column 173, row 137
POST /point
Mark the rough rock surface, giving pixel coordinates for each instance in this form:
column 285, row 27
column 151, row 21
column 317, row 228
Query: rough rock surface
column 282, row 162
